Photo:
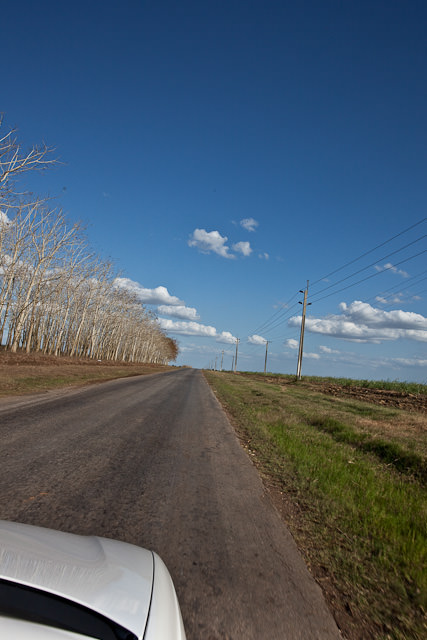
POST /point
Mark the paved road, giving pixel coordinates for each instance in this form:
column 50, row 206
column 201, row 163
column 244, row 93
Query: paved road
column 154, row 461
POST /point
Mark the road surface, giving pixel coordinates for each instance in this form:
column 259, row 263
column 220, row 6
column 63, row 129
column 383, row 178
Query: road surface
column 154, row 461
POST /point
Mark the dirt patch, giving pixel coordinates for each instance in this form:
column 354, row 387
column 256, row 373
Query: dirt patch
column 383, row 397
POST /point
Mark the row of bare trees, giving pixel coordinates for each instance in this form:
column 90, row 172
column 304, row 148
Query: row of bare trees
column 56, row 296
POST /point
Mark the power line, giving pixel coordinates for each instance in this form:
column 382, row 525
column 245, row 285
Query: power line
column 370, row 251
column 400, row 287
column 369, row 277
column 372, row 264
column 281, row 320
column 283, row 314
column 284, row 308
column 418, row 293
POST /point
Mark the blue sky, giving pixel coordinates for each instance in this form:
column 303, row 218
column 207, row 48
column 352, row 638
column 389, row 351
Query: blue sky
column 224, row 153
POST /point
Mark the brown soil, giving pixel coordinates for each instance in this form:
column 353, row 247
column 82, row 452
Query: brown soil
column 384, row 397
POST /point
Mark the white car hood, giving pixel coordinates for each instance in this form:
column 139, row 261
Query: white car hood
column 113, row 578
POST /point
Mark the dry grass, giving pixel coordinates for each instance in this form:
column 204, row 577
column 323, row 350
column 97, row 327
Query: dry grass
column 22, row 373
column 349, row 478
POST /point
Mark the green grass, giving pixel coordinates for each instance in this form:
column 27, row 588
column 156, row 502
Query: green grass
column 361, row 497
column 389, row 452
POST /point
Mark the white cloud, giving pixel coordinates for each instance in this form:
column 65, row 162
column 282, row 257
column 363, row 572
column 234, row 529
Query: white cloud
column 250, row 224
column 328, row 350
column 178, row 311
column 390, row 267
column 410, row 362
column 292, row 344
column 360, row 322
column 395, row 299
column 189, row 328
column 225, row 337
column 263, row 256
column 158, row 295
column 210, row 241
column 243, row 248
column 196, row 329
column 256, row 339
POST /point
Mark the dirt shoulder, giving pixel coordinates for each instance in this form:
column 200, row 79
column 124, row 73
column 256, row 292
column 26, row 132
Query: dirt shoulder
column 22, row 373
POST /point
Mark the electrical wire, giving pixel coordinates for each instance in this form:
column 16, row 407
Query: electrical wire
column 400, row 287
column 283, row 314
column 369, row 277
column 283, row 319
column 284, row 308
column 368, row 252
column 372, row 264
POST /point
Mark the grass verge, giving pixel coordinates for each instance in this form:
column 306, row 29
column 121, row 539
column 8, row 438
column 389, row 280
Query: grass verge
column 353, row 489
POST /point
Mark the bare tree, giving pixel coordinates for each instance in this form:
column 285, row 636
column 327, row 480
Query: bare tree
column 55, row 295
column 14, row 160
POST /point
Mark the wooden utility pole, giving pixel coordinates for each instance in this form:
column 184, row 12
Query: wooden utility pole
column 301, row 338
column 235, row 359
column 265, row 361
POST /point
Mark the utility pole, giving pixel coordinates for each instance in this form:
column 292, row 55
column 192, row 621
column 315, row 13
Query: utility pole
column 232, row 363
column 301, row 338
column 265, row 361
column 215, row 362
column 222, row 358
column 235, row 359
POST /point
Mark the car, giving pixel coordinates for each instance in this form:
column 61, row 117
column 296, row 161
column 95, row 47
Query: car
column 62, row 586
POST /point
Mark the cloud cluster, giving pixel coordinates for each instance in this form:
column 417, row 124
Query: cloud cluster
column 360, row 322
column 255, row 339
column 172, row 306
column 291, row 343
column 294, row 344
column 242, row 247
column 210, row 242
column 178, row 311
column 159, row 295
column 213, row 242
column 196, row 329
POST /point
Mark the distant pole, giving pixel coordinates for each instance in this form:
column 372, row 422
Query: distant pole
column 222, row 359
column 301, row 338
column 215, row 362
column 265, row 361
column 235, row 359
